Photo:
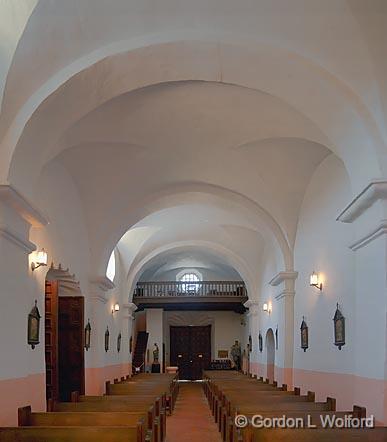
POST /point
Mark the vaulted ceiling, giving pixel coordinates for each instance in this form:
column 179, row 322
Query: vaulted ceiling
column 191, row 130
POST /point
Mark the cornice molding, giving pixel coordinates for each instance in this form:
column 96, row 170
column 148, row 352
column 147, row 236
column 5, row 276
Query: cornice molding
column 103, row 283
column 16, row 239
column 14, row 199
column 280, row 277
column 380, row 230
column 376, row 190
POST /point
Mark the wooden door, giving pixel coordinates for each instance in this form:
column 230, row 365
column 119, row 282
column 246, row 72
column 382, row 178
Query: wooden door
column 51, row 339
column 190, row 350
column 200, row 350
column 70, row 344
column 180, row 350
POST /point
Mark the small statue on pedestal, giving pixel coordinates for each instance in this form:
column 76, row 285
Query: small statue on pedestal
column 236, row 355
column 155, row 354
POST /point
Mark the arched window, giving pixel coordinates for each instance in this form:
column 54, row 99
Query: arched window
column 111, row 268
column 192, row 282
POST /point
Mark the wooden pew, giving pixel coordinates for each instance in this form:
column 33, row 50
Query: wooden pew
column 69, row 434
column 231, row 433
column 155, row 417
column 317, row 435
column 233, row 395
column 27, row 418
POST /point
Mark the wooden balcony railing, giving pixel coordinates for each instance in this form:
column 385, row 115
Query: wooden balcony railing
column 170, row 289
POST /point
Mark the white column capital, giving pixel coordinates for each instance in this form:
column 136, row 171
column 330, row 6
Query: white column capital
column 281, row 277
column 98, row 288
column 130, row 308
column 253, row 307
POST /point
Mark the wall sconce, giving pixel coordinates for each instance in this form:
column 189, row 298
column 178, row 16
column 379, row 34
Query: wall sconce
column 266, row 307
column 87, row 335
column 116, row 308
column 314, row 281
column 40, row 259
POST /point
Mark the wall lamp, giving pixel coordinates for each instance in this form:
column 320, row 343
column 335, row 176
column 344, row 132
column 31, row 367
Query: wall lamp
column 266, row 307
column 40, row 259
column 116, row 308
column 315, row 281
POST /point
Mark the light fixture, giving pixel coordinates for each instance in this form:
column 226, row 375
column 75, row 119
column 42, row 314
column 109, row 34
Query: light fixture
column 116, row 308
column 40, row 259
column 314, row 281
column 266, row 307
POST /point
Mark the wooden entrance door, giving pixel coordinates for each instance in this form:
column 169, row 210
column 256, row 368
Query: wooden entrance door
column 51, row 339
column 70, row 348
column 64, row 353
column 190, row 350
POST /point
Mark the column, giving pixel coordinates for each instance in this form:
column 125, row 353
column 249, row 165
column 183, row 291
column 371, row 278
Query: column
column 285, row 291
column 368, row 214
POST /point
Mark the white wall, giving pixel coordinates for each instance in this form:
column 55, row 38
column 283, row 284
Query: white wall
column 322, row 246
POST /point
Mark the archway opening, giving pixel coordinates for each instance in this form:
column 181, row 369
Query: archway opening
column 270, row 355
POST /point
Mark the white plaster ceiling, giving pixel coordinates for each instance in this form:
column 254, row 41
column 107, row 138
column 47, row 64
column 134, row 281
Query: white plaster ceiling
column 186, row 122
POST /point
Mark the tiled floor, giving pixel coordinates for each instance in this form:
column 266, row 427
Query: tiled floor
column 192, row 420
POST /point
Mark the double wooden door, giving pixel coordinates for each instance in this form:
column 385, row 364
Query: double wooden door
column 190, row 350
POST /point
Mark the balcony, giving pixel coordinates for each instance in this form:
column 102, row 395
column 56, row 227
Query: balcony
column 200, row 295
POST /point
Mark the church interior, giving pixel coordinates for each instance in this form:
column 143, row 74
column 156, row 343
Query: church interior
column 193, row 220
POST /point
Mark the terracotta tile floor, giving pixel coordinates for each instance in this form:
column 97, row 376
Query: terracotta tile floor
column 192, row 420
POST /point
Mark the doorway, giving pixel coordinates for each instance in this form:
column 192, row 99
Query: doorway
column 190, row 350
column 64, row 328
column 270, row 353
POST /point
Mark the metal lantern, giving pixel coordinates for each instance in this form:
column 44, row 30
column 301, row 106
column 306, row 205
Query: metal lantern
column 130, row 344
column 87, row 335
column 107, row 335
column 304, row 335
column 119, row 337
column 339, row 328
column 33, row 326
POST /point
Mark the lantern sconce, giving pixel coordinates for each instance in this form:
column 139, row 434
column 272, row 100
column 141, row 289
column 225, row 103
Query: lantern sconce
column 87, row 335
column 40, row 259
column 266, row 307
column 33, row 326
column 116, row 308
column 107, row 336
column 315, row 281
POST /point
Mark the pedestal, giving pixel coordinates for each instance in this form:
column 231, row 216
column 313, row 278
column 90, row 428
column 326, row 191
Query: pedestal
column 155, row 368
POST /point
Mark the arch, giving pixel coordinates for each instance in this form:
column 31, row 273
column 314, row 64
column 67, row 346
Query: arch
column 270, row 355
column 235, row 261
column 201, row 193
column 282, row 73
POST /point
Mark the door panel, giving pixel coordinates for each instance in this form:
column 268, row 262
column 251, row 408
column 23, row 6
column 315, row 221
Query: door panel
column 71, row 354
column 51, row 339
column 190, row 350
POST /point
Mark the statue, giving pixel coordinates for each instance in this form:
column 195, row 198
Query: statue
column 236, row 355
column 155, row 354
